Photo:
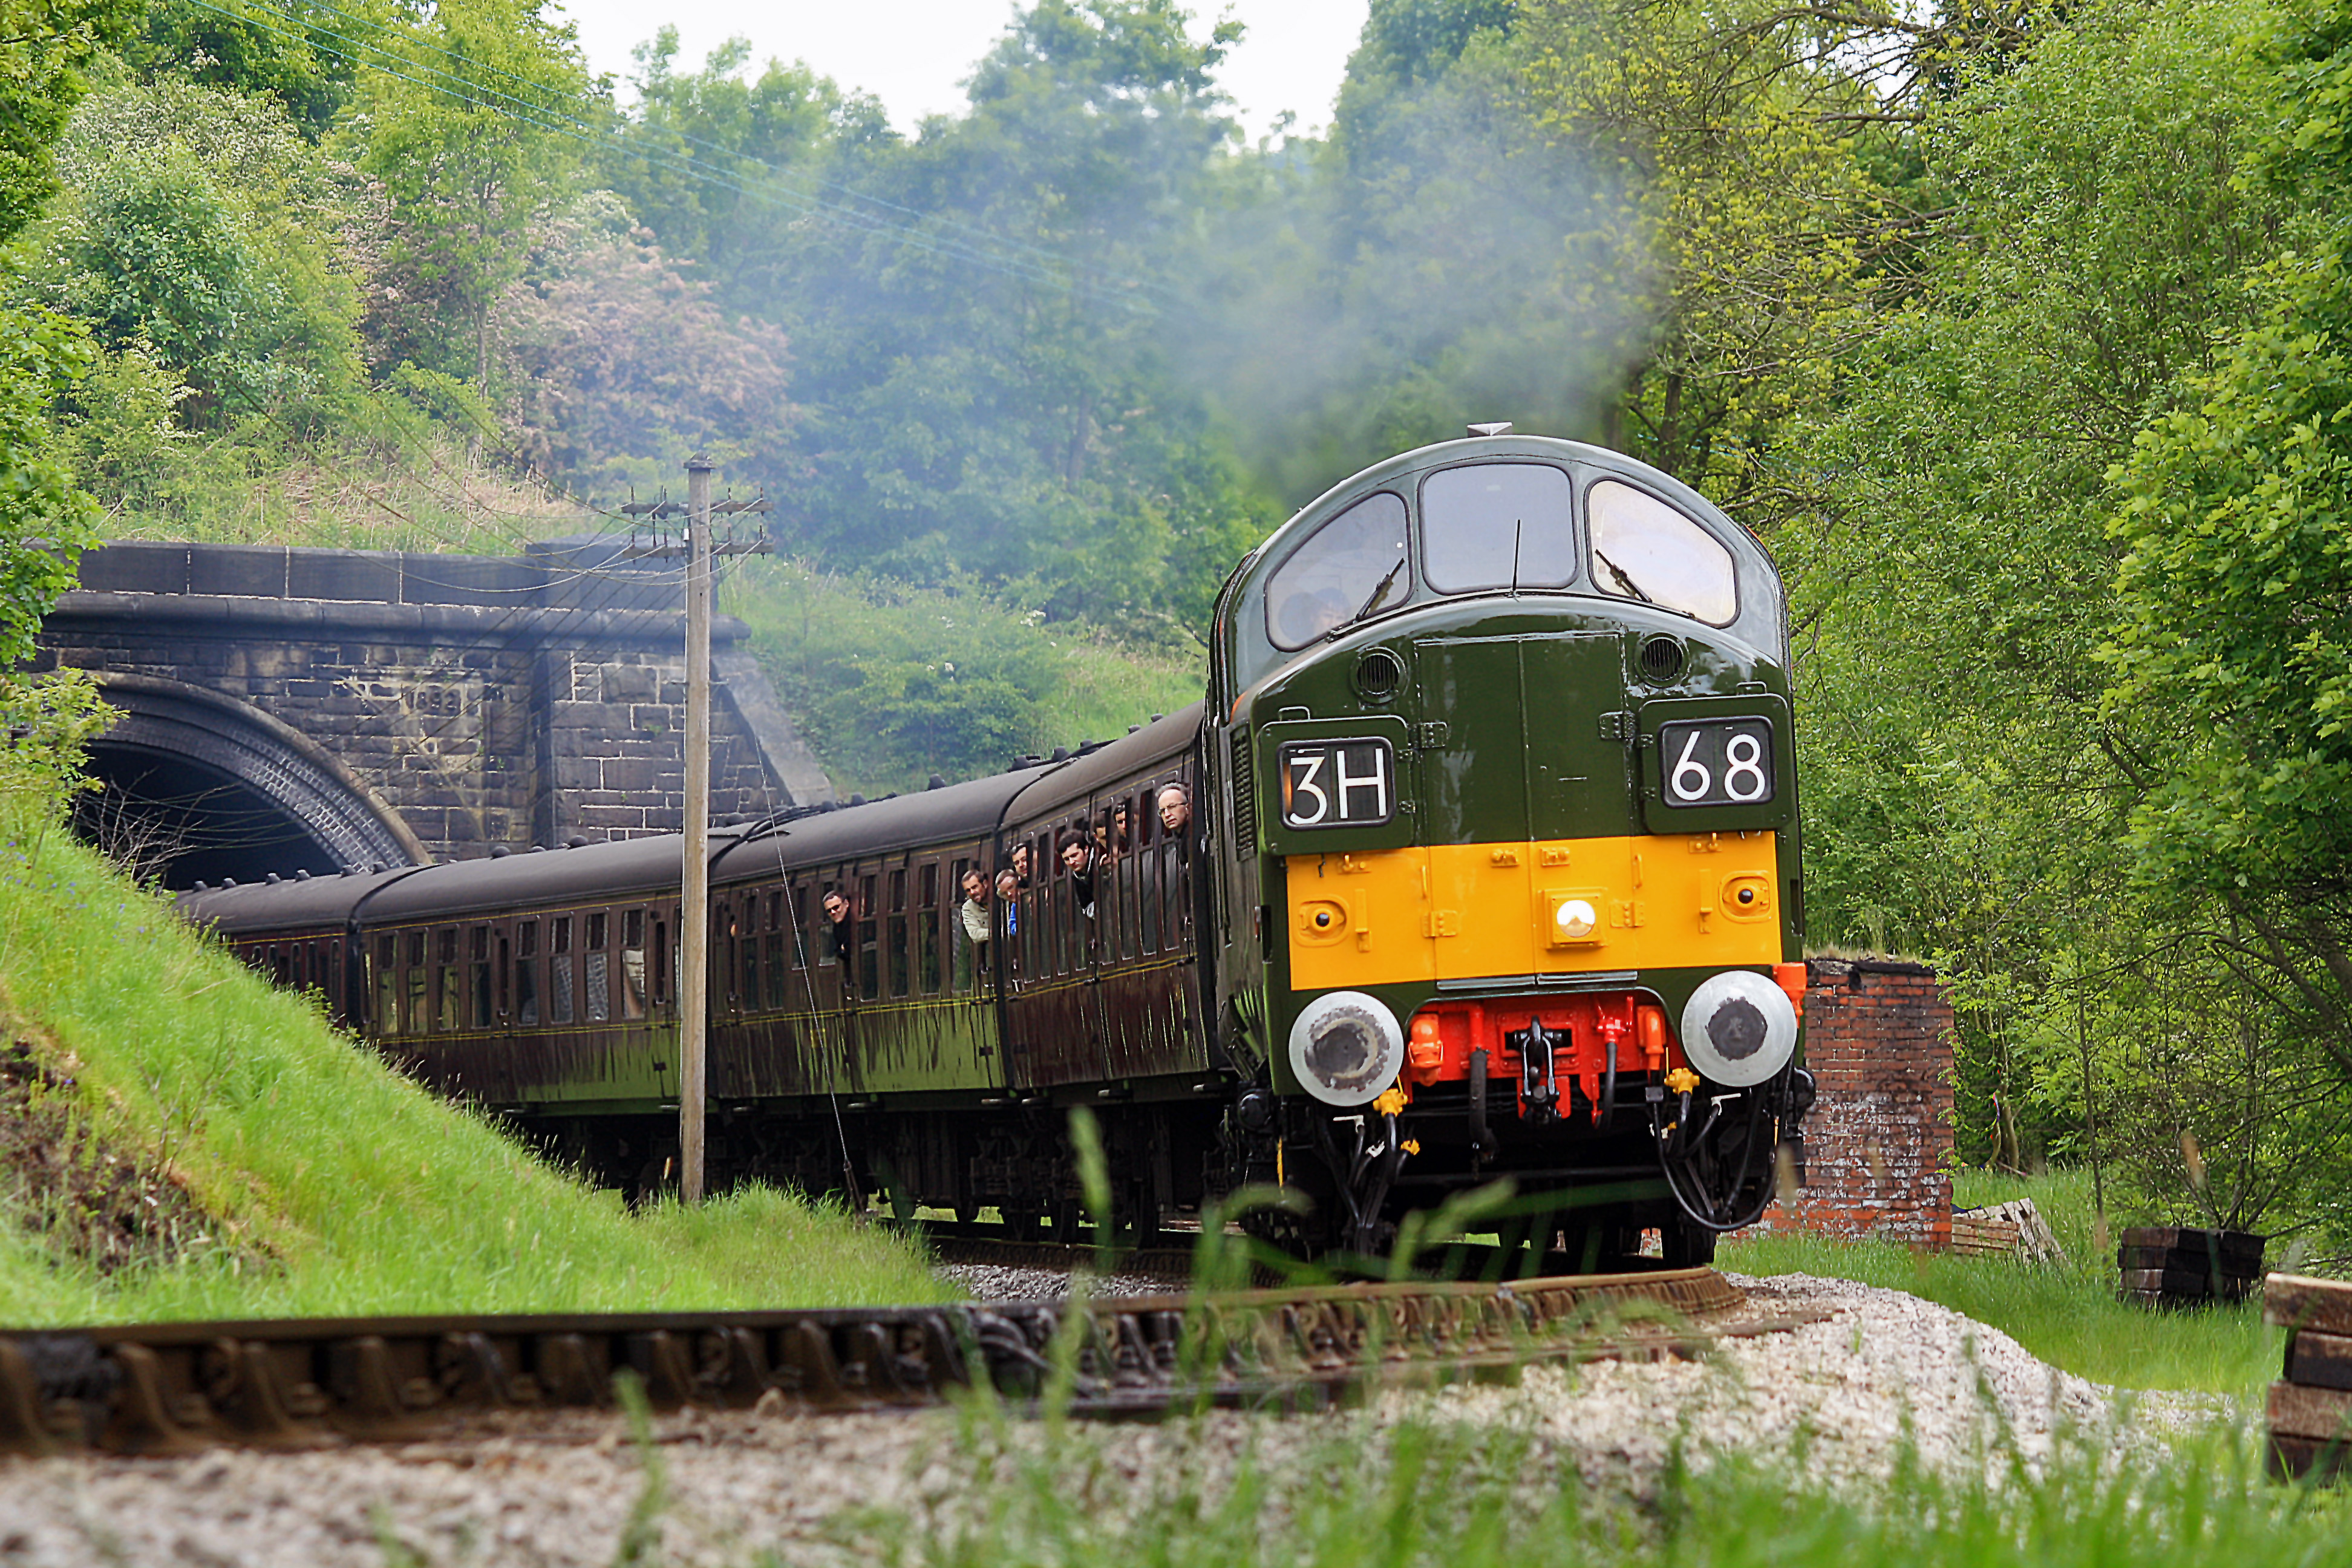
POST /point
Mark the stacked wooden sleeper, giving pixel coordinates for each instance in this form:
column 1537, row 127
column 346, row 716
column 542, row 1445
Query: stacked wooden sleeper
column 2171, row 1266
column 2311, row 1406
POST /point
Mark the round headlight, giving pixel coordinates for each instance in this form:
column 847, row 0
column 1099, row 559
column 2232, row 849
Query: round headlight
column 1739, row 1029
column 1575, row 918
column 1346, row 1048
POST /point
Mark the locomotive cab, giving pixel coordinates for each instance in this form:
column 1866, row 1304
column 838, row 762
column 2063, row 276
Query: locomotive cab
column 1503, row 726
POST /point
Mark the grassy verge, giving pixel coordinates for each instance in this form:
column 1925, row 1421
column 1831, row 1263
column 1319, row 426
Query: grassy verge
column 2067, row 1314
column 332, row 1186
column 894, row 683
column 1464, row 1496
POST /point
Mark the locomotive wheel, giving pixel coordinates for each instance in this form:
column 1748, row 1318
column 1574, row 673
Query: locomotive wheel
column 1687, row 1246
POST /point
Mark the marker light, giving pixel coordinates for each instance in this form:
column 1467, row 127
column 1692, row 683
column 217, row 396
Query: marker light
column 1575, row 918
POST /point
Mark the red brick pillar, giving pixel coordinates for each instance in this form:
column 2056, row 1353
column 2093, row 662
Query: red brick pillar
column 1878, row 1143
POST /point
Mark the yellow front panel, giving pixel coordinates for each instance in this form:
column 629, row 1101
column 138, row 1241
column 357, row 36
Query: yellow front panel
column 1464, row 910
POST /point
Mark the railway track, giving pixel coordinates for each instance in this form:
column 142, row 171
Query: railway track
column 168, row 1388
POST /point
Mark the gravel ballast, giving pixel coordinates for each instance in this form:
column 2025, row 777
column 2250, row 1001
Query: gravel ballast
column 740, row 1483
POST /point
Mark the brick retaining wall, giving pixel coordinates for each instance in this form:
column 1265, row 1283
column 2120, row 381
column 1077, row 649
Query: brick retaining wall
column 1878, row 1038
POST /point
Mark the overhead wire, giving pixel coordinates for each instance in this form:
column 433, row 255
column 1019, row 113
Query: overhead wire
column 292, row 8
column 563, row 124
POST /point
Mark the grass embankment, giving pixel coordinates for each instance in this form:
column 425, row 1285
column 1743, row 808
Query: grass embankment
column 330, row 1185
column 2066, row 1314
column 893, row 683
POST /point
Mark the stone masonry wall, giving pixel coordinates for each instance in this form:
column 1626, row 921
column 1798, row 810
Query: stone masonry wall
column 487, row 701
column 1878, row 1143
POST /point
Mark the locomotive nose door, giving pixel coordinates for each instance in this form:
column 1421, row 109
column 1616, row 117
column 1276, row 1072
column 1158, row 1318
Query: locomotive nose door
column 1516, row 749
column 1517, row 738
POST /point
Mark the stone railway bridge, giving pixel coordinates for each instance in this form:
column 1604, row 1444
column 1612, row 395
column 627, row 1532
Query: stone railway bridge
column 291, row 710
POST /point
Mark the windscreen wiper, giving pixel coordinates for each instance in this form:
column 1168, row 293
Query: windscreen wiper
column 1632, row 589
column 1368, row 605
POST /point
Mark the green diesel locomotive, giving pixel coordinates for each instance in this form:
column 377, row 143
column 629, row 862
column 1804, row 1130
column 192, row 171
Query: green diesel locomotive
column 1478, row 860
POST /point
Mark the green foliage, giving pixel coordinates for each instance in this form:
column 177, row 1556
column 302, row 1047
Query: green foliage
column 469, row 169
column 45, row 521
column 1968, row 790
column 308, row 70
column 47, row 48
column 205, row 241
column 893, row 685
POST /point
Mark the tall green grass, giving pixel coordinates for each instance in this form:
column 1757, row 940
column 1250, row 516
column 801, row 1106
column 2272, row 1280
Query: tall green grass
column 1216, row 1494
column 339, row 1187
column 2066, row 1314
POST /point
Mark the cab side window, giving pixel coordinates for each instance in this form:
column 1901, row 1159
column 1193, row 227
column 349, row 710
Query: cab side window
column 1352, row 565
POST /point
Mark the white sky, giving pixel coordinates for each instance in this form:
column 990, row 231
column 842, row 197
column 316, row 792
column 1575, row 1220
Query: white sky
column 911, row 54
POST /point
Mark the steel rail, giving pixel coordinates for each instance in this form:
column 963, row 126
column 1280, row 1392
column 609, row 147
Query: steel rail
column 167, row 1388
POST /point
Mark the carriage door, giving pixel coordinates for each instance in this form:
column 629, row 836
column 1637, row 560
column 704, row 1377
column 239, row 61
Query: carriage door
column 1053, row 1009
column 1149, row 989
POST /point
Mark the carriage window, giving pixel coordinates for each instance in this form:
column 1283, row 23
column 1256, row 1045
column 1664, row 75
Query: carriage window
column 502, row 973
column 527, row 973
column 445, row 980
column 1644, row 549
column 896, row 939
column 600, row 971
column 560, row 971
column 1147, row 876
column 726, row 954
column 663, row 959
column 1125, row 828
column 1356, row 560
column 751, row 972
column 1498, row 525
column 776, row 963
column 869, row 965
column 927, row 928
column 387, row 985
column 414, row 1017
column 479, row 958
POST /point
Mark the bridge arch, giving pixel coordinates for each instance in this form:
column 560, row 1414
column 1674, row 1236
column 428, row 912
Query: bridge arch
column 195, row 785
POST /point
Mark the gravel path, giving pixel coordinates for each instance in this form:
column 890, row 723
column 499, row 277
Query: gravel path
column 744, row 1482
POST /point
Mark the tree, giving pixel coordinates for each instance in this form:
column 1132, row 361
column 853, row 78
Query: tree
column 1758, row 155
column 623, row 364
column 476, row 135
column 978, row 318
column 202, row 233
column 2233, row 594
column 304, row 65
column 45, row 520
column 1971, row 785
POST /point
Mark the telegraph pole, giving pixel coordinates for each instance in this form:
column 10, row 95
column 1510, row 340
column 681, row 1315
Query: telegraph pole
column 694, row 912
column 701, row 548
